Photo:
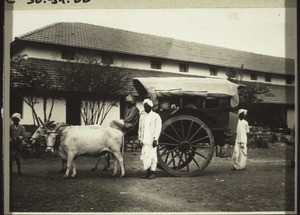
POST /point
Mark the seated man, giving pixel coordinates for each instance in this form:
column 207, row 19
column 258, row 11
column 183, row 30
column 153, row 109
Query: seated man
column 130, row 123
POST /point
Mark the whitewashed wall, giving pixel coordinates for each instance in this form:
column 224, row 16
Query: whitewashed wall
column 291, row 118
column 113, row 114
column 44, row 52
column 277, row 79
column 58, row 113
column 137, row 62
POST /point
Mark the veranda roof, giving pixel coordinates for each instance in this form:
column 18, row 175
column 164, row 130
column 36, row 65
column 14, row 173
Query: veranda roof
column 57, row 70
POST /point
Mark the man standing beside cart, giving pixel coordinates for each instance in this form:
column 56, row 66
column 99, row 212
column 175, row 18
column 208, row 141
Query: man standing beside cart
column 240, row 148
column 150, row 125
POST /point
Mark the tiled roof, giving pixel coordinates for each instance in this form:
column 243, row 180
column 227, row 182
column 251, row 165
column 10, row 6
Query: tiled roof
column 60, row 76
column 61, row 81
column 94, row 37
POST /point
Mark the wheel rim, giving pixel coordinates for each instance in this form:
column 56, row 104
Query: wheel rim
column 186, row 146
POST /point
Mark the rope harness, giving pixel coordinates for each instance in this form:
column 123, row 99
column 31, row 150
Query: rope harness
column 57, row 136
column 57, row 140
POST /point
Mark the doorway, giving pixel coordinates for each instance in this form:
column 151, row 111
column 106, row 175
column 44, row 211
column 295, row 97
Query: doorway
column 73, row 111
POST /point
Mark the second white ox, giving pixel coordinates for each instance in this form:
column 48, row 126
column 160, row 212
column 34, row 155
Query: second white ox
column 78, row 141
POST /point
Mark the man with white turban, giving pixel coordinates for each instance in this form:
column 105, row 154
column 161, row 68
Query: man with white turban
column 150, row 125
column 132, row 117
column 17, row 134
column 240, row 147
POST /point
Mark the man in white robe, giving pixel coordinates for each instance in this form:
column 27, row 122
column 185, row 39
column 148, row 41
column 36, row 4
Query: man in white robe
column 150, row 125
column 240, row 147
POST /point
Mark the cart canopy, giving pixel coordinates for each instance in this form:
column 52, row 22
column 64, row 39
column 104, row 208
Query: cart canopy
column 179, row 87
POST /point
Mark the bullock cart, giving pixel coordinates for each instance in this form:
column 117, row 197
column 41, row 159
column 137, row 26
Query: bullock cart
column 197, row 117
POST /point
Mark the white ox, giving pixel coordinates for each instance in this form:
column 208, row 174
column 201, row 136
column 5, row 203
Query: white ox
column 41, row 131
column 76, row 141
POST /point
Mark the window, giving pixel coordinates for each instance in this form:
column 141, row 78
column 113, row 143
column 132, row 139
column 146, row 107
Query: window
column 253, row 76
column 213, row 71
column 224, row 102
column 155, row 64
column 211, row 103
column 68, row 54
column 193, row 102
column 289, row 79
column 183, row 67
column 268, row 78
column 169, row 103
column 107, row 59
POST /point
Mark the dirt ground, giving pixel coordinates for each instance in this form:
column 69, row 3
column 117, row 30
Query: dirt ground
column 266, row 185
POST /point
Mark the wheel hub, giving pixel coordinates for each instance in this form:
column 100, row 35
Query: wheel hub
column 184, row 145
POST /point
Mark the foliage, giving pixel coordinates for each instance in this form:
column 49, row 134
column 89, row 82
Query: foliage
column 98, row 82
column 38, row 81
column 95, row 111
column 234, row 75
column 260, row 136
column 251, row 94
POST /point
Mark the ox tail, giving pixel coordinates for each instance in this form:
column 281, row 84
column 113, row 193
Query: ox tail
column 123, row 144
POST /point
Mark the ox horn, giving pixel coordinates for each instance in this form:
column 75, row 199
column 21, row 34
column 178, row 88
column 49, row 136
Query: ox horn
column 58, row 127
column 43, row 124
column 49, row 122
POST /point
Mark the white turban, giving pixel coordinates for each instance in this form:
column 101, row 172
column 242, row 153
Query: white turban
column 149, row 102
column 242, row 111
column 130, row 98
column 16, row 115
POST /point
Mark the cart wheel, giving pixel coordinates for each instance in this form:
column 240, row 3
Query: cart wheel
column 186, row 146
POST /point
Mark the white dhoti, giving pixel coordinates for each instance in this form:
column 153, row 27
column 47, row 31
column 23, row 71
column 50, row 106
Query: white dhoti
column 149, row 130
column 239, row 155
column 149, row 157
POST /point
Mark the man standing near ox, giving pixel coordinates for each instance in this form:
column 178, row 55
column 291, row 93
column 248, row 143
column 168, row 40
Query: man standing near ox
column 17, row 134
column 130, row 123
column 150, row 125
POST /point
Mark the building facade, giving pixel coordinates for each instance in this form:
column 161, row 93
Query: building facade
column 141, row 55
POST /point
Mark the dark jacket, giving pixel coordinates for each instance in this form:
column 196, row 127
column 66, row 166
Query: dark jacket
column 132, row 118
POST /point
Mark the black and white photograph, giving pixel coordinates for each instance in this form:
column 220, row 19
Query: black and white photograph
column 150, row 110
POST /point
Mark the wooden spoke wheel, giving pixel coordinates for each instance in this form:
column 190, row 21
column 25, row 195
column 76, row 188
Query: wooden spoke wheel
column 186, row 146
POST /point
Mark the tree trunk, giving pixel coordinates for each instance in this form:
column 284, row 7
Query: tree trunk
column 45, row 108
column 31, row 104
column 51, row 109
